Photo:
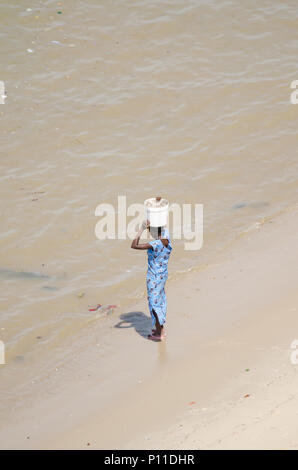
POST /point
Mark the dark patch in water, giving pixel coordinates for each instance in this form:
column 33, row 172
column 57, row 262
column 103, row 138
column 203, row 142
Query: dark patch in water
column 255, row 205
column 50, row 287
column 19, row 358
column 239, row 205
column 9, row 273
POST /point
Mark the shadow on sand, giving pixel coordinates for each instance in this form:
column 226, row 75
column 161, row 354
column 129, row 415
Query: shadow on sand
column 137, row 320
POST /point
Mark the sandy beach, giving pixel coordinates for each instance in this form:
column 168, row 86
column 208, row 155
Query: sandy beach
column 218, row 381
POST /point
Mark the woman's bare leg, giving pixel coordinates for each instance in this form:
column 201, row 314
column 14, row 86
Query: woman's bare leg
column 158, row 326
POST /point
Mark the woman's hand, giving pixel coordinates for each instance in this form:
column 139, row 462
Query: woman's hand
column 145, row 225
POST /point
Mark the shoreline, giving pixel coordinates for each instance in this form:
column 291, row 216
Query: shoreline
column 137, row 394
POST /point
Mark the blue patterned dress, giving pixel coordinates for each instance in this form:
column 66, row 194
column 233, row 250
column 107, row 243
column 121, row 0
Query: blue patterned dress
column 157, row 275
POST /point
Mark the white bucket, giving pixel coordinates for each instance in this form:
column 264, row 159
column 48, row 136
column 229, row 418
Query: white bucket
column 157, row 211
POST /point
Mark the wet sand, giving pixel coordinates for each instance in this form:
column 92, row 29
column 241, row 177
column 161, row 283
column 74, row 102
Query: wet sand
column 222, row 379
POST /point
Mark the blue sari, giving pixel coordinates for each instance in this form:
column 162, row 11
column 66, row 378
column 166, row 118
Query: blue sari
column 157, row 276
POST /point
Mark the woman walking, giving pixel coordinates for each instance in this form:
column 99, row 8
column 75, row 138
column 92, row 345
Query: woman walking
column 158, row 252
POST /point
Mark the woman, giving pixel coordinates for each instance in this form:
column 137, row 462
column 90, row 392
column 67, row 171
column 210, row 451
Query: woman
column 158, row 252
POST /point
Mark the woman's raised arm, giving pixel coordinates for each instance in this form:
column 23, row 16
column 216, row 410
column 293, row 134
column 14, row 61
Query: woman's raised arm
column 135, row 243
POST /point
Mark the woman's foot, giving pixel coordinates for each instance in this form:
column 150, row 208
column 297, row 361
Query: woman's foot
column 162, row 334
column 155, row 337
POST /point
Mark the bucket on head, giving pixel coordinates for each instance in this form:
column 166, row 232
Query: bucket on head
column 157, row 211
